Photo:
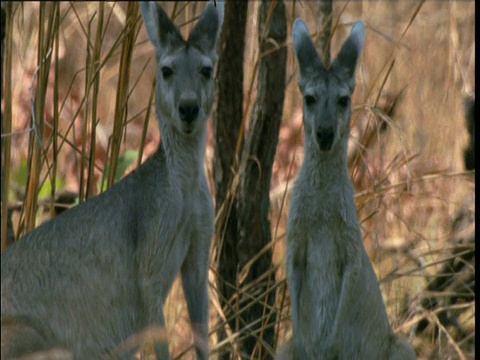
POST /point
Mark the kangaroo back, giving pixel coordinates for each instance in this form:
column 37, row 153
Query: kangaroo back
column 86, row 282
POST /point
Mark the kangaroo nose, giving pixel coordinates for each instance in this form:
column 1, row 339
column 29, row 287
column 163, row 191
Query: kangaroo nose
column 188, row 111
column 325, row 137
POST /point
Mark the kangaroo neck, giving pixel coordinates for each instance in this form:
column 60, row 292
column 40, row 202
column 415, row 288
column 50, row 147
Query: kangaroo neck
column 324, row 169
column 184, row 154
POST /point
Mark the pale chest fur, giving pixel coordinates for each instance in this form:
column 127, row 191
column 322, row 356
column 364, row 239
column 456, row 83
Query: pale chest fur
column 196, row 213
column 322, row 227
column 180, row 212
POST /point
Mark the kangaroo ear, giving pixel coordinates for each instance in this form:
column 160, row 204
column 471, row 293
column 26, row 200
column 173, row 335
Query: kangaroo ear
column 206, row 32
column 304, row 48
column 349, row 55
column 160, row 29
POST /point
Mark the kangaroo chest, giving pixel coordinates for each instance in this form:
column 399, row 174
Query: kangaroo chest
column 195, row 218
column 324, row 234
column 324, row 267
column 177, row 219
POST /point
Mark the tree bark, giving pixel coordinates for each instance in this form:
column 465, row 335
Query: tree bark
column 244, row 229
column 324, row 25
column 254, row 231
column 227, row 122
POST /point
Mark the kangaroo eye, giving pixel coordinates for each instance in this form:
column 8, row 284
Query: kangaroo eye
column 206, row 72
column 310, row 100
column 344, row 101
column 166, row 72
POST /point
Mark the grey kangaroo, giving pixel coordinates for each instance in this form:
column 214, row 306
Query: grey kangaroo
column 101, row 271
column 337, row 308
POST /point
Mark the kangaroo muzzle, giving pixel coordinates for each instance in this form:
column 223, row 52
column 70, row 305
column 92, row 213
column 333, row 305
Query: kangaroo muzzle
column 325, row 136
column 188, row 111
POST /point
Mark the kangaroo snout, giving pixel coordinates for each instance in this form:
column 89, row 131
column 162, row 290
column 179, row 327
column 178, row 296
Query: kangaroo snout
column 325, row 136
column 188, row 111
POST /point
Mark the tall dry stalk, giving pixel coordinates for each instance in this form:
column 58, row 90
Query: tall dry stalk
column 121, row 106
column 46, row 37
column 6, row 143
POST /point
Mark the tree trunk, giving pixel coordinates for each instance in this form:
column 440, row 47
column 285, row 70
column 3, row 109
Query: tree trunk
column 246, row 230
column 253, row 202
column 324, row 26
column 227, row 122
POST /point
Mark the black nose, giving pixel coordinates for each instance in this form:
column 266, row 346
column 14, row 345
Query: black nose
column 325, row 137
column 188, row 111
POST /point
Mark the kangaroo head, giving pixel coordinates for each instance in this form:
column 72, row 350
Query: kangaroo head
column 185, row 68
column 327, row 92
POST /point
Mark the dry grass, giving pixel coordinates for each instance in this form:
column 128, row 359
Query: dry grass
column 92, row 85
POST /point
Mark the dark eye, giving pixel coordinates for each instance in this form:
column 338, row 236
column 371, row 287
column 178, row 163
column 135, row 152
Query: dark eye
column 206, row 72
column 344, row 101
column 310, row 100
column 166, row 72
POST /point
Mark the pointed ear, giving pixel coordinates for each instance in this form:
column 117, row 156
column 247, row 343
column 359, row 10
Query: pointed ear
column 304, row 48
column 160, row 29
column 349, row 55
column 205, row 33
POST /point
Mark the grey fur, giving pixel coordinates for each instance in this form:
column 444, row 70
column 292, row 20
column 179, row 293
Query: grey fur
column 337, row 307
column 102, row 271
